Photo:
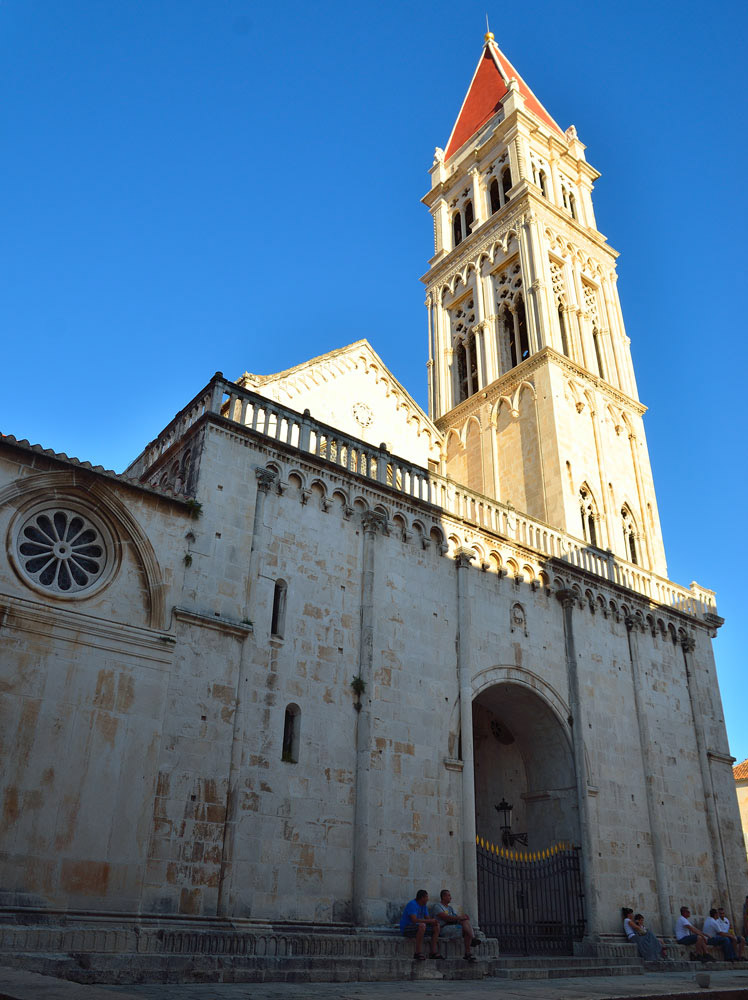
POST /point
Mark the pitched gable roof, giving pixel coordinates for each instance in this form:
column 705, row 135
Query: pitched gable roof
column 487, row 90
column 740, row 771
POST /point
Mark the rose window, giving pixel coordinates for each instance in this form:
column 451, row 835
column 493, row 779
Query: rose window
column 61, row 550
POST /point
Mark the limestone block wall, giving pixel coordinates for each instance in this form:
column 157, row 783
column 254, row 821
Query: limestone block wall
column 83, row 684
column 177, row 794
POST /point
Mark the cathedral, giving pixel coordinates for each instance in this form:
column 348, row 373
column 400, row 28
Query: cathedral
column 316, row 647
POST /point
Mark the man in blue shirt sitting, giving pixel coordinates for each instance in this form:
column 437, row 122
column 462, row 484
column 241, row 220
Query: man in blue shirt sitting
column 413, row 923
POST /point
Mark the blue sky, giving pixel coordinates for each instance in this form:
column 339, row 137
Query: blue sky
column 197, row 186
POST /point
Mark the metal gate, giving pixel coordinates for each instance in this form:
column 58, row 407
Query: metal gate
column 532, row 901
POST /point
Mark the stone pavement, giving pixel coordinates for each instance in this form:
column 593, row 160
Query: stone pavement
column 18, row 985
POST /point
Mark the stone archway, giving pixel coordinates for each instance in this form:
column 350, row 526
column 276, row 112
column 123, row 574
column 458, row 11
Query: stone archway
column 523, row 753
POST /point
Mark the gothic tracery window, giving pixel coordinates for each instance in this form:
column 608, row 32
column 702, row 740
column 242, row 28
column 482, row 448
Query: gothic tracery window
column 465, row 349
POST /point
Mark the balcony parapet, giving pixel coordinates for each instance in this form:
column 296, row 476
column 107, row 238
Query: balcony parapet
column 301, row 431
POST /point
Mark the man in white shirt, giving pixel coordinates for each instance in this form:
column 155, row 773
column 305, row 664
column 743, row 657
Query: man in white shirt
column 454, row 924
column 718, row 938
column 723, row 922
column 690, row 936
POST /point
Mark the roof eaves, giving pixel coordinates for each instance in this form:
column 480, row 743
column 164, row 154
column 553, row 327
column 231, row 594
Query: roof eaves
column 24, row 444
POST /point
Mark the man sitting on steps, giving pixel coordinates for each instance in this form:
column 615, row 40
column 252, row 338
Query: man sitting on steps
column 688, row 935
column 454, row 924
column 415, row 920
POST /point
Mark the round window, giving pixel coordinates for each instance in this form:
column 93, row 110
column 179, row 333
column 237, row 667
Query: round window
column 63, row 550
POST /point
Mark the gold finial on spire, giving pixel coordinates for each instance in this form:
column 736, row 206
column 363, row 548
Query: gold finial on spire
column 488, row 37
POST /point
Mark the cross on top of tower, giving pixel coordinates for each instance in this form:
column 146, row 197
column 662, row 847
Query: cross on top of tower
column 488, row 88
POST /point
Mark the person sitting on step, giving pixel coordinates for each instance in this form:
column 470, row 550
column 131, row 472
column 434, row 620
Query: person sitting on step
column 688, row 935
column 415, row 920
column 454, row 924
column 719, row 938
column 647, row 945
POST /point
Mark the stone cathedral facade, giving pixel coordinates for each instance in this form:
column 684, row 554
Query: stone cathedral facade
column 285, row 666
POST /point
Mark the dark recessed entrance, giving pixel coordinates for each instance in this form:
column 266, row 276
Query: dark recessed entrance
column 529, row 881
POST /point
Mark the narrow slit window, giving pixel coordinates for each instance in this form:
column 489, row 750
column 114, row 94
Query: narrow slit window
column 291, row 729
column 278, row 620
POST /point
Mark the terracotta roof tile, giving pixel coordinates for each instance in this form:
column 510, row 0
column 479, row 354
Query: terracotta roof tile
column 740, row 771
column 60, row 456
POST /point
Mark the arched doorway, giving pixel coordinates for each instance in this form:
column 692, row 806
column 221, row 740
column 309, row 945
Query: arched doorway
column 529, row 888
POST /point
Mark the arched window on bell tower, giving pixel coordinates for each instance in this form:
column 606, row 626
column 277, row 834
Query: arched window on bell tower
column 598, row 351
column 588, row 512
column 457, row 228
column 562, row 328
column 469, row 217
column 506, row 183
column 524, row 343
column 629, row 534
column 462, row 371
column 507, row 338
column 493, row 193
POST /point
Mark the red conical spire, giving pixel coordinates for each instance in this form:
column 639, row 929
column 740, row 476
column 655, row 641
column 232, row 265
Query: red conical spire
column 488, row 88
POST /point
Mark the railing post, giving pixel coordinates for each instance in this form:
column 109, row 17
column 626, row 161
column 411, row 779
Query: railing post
column 382, row 460
column 216, row 393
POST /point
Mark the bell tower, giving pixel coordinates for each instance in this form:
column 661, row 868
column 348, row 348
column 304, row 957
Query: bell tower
column 529, row 372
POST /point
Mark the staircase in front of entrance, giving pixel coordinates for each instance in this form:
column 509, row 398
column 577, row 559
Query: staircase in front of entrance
column 109, row 951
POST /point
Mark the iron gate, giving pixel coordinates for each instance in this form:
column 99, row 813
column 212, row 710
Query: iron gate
column 532, row 901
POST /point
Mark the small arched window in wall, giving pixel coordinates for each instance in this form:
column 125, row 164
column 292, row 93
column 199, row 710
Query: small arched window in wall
column 291, row 730
column 572, row 206
column 278, row 620
column 469, row 217
column 542, row 183
column 629, row 535
column 493, row 193
column 589, row 515
column 457, row 228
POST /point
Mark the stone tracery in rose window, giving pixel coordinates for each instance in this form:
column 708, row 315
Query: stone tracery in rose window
column 61, row 550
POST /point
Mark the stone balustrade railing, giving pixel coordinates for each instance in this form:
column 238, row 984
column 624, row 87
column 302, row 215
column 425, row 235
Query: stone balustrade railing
column 271, row 419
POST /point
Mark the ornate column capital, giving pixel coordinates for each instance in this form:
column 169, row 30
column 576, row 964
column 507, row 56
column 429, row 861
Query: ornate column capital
column 464, row 557
column 567, row 598
column 688, row 643
column 265, row 479
column 373, row 522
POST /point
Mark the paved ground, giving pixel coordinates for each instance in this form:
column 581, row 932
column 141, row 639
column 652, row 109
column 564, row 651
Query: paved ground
column 16, row 985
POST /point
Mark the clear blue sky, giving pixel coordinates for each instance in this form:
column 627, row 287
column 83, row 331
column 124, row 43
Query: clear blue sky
column 220, row 185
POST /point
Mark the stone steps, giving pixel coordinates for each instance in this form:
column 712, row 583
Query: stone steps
column 109, row 951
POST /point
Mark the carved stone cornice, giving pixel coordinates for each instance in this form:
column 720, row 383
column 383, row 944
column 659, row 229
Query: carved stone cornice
column 508, row 382
column 495, row 233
